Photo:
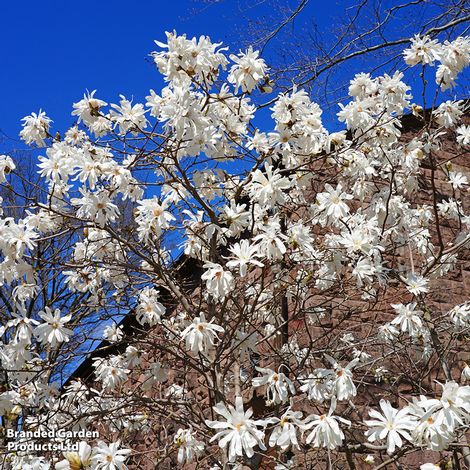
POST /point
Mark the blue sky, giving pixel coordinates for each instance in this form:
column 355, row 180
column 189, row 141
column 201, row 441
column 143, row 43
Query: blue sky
column 52, row 51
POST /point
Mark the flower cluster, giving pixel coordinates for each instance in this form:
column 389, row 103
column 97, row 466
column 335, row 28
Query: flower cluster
column 245, row 288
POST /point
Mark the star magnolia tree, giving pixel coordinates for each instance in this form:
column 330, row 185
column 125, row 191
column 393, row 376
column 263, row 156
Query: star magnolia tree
column 296, row 232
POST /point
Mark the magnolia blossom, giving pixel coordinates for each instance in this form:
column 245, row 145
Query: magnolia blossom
column 332, row 202
column 245, row 343
column 408, row 319
column 325, row 430
column 465, row 374
column 6, row 167
column 109, row 457
column 271, row 243
column 238, row 430
column 219, row 282
column 188, row 446
column 111, row 372
column 35, row 128
column 53, row 331
column 278, row 385
column 76, row 460
column 200, row 335
column 460, row 315
column 96, row 206
column 393, row 425
column 423, row 50
column 318, row 385
column 267, row 187
column 453, row 56
column 343, row 385
column 244, row 254
column 88, row 108
column 416, row 284
column 284, row 433
column 153, row 217
column 127, row 116
column 249, row 69
column 113, row 333
column 448, row 113
column 463, row 135
column 150, row 310
column 155, row 374
column 453, row 406
column 23, row 324
column 457, row 180
column 429, row 432
column 237, row 217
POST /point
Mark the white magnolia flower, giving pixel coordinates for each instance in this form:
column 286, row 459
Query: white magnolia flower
column 408, row 319
column 343, row 385
column 88, row 108
column 153, row 217
column 267, row 187
column 237, row 217
column 176, row 391
column 155, row 374
column 6, row 167
column 423, row 50
column 76, row 460
column 460, row 315
column 278, row 385
column 243, row 255
column 284, row 433
column 188, row 446
column 110, row 372
column 245, row 343
column 35, row 128
column 465, row 374
column 457, row 180
column 23, row 324
column 249, row 69
column 127, row 116
column 149, row 310
column 452, row 408
column 463, row 135
column 326, row 431
column 448, row 114
column 113, row 333
column 219, row 282
column 8, row 401
column 332, row 201
column 318, row 385
column 53, row 331
column 97, row 206
column 416, row 284
column 238, row 430
column 392, row 425
column 271, row 243
column 428, row 431
column 109, row 457
column 289, row 465
column 200, row 335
